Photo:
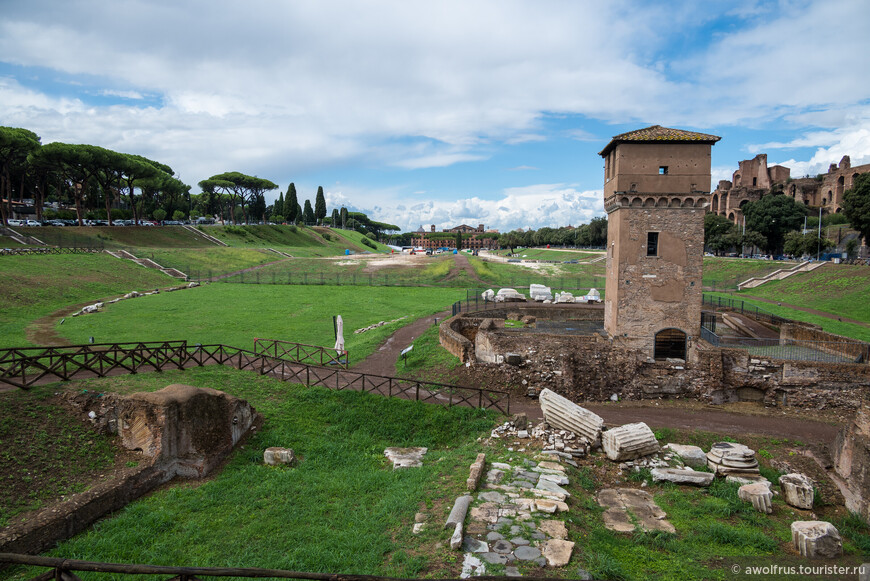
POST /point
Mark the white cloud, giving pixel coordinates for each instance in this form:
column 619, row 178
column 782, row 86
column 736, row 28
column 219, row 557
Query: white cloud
column 132, row 95
column 532, row 206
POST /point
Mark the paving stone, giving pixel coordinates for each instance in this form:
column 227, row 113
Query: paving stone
column 494, row 558
column 405, row 457
column 472, row 545
column 494, row 536
column 556, row 479
column 502, row 546
column 583, row 575
column 539, row 536
column 526, row 553
column 495, row 476
column 551, row 466
column 557, row 552
column 541, row 562
column 492, row 496
column 548, row 506
column 519, row 541
column 512, row 572
column 523, row 484
column 504, row 521
column 476, row 528
column 679, row 476
column 486, row 512
column 516, row 529
column 501, row 466
column 471, row 565
column 554, row 528
column 528, row 475
column 548, row 486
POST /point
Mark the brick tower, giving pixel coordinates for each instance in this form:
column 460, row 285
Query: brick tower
column 656, row 191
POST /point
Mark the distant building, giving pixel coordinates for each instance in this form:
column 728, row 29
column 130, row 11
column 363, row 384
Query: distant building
column 472, row 238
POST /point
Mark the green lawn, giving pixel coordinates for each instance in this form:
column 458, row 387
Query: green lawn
column 342, row 509
column 834, row 326
column 235, row 314
column 120, row 237
column 551, row 254
column 35, row 286
column 839, row 289
column 558, row 276
column 207, row 262
column 727, row 272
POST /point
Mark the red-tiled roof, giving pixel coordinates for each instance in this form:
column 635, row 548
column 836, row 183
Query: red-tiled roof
column 657, row 133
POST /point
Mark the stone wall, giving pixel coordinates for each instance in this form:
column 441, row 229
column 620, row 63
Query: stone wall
column 593, row 367
column 852, row 462
column 180, row 431
column 830, row 343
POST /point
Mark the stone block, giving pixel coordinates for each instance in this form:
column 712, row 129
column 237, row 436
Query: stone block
column 816, row 539
column 562, row 413
column 557, row 552
column 691, row 455
column 458, row 512
column 475, row 472
column 727, row 457
column 678, row 476
column 629, row 442
column 759, row 495
column 797, row 489
column 405, row 457
column 279, row 456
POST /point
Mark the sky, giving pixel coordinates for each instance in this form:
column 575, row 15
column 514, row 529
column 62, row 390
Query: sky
column 458, row 111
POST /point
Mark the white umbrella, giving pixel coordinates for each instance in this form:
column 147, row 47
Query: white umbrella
column 339, row 335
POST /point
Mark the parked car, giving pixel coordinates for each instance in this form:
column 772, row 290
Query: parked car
column 31, row 223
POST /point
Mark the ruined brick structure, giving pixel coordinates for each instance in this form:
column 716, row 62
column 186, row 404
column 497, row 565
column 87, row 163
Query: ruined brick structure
column 754, row 179
column 656, row 192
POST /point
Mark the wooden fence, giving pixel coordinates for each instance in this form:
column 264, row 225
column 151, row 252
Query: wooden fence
column 62, row 570
column 300, row 352
column 27, row 366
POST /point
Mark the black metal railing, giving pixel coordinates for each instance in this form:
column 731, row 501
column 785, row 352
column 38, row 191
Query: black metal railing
column 736, row 305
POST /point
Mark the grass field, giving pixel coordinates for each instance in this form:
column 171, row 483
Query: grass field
column 36, row 286
column 839, row 289
column 235, row 314
column 727, row 272
column 828, row 324
column 120, row 237
column 341, row 509
column 563, row 276
column 550, row 254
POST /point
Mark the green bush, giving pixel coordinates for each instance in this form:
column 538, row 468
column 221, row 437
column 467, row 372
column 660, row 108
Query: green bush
column 369, row 243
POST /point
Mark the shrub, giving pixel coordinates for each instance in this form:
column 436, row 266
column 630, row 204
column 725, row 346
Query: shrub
column 369, row 243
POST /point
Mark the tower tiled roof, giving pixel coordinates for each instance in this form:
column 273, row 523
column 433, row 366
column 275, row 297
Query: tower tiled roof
column 657, row 133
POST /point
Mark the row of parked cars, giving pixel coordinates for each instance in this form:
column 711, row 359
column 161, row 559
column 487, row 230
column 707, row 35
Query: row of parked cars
column 93, row 223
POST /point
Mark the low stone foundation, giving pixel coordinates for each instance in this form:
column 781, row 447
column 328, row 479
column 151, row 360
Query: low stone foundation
column 180, row 430
column 593, row 367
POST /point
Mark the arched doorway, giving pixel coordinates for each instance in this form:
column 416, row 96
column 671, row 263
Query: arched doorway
column 670, row 344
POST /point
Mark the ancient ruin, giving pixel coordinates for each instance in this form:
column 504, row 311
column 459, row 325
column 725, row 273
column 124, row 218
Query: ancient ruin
column 754, row 179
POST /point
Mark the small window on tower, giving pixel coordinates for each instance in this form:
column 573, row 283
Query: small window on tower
column 652, row 244
column 663, row 170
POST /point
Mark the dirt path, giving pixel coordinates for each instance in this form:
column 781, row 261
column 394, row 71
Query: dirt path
column 657, row 414
column 42, row 331
column 461, row 264
column 383, row 361
column 806, row 310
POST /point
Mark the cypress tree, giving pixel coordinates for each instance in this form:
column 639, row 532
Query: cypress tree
column 291, row 204
column 343, row 217
column 279, row 205
column 336, row 220
column 319, row 205
column 308, row 213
